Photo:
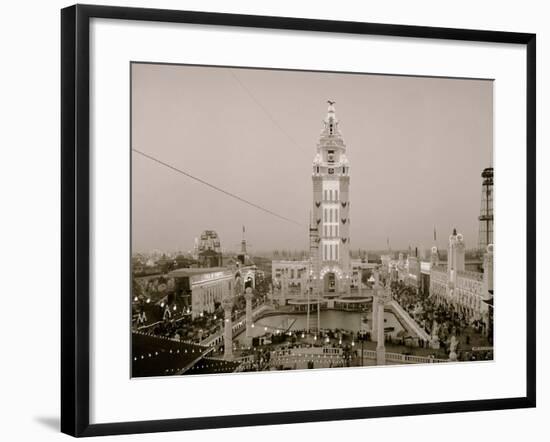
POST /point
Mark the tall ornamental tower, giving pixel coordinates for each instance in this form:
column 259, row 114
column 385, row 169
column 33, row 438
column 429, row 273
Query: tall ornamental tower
column 486, row 210
column 329, row 232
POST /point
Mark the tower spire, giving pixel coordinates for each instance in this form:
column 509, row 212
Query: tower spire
column 331, row 110
column 243, row 243
column 330, row 122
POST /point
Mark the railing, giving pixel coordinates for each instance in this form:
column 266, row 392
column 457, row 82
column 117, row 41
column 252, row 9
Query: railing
column 326, row 360
column 333, row 360
column 369, row 354
column 404, row 359
column 305, row 351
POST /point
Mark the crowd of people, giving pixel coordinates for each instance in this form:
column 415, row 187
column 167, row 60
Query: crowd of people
column 443, row 321
column 161, row 319
column 440, row 321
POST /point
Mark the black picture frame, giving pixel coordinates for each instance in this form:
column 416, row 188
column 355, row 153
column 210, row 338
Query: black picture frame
column 75, row 225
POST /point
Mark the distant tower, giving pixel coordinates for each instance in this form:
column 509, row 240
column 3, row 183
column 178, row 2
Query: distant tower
column 243, row 243
column 331, row 175
column 434, row 256
column 243, row 253
column 455, row 256
column 486, row 212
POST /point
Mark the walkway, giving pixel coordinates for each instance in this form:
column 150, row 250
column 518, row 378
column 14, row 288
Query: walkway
column 410, row 322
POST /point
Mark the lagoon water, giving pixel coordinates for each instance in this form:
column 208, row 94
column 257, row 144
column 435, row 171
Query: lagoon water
column 330, row 319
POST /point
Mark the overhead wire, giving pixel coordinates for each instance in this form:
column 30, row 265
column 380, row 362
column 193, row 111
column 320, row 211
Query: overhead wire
column 214, row 187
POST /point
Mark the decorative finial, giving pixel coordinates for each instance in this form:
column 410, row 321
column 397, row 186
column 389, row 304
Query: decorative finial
column 331, row 103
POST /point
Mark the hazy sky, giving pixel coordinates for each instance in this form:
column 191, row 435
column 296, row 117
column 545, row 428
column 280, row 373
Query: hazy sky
column 416, row 147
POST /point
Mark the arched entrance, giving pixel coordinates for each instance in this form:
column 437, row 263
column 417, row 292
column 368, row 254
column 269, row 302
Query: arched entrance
column 329, row 282
column 249, row 279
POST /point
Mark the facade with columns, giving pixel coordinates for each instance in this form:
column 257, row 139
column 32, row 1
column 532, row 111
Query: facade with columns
column 452, row 284
column 438, row 282
column 207, row 286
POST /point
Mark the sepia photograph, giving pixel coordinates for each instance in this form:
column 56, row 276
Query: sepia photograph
column 295, row 220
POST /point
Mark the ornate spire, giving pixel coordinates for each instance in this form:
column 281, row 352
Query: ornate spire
column 330, row 128
column 331, row 148
column 331, row 114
